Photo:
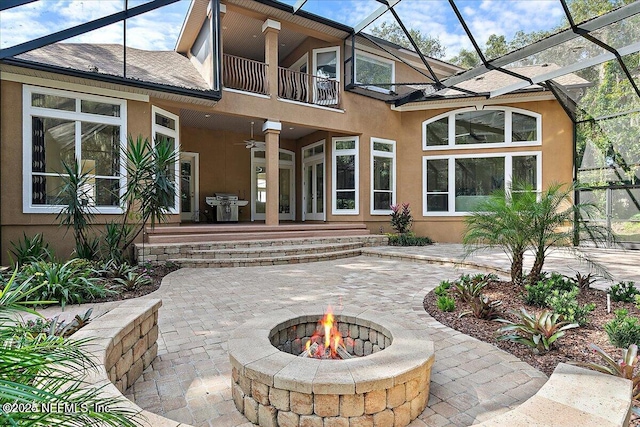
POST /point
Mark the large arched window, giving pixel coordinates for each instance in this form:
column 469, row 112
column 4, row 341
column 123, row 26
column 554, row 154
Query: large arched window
column 482, row 128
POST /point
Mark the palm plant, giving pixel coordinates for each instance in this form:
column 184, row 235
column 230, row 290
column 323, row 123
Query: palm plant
column 505, row 222
column 552, row 217
column 40, row 371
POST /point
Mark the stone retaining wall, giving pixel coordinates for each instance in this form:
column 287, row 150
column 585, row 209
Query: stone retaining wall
column 123, row 342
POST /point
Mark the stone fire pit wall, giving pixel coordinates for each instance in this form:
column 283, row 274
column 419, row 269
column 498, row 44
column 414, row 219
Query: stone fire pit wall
column 387, row 387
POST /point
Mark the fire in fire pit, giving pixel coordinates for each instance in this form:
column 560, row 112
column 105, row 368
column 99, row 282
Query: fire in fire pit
column 326, row 342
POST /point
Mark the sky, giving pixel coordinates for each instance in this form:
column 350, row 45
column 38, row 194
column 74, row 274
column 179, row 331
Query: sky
column 158, row 30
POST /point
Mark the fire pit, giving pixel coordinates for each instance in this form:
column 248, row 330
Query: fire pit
column 384, row 380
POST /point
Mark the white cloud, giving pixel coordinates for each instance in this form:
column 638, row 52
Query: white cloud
column 155, row 30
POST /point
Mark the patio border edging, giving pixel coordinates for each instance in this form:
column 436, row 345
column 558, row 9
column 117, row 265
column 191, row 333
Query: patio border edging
column 593, row 400
column 123, row 343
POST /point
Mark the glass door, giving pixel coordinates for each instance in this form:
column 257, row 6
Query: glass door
column 189, row 210
column 286, row 185
column 313, row 183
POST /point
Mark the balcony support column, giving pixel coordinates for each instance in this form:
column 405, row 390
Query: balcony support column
column 271, row 28
column 271, row 131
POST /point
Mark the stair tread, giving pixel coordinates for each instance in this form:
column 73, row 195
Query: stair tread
column 250, row 228
column 264, row 259
column 270, row 242
column 197, row 238
column 277, row 248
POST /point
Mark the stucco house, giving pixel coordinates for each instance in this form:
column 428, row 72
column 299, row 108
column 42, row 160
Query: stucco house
column 290, row 112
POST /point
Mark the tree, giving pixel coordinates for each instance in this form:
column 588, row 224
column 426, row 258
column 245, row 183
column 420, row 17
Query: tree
column 466, row 59
column 428, row 45
column 496, row 46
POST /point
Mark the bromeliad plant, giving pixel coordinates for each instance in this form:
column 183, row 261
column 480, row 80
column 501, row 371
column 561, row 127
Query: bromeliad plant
column 467, row 289
column 483, row 308
column 538, row 332
column 625, row 367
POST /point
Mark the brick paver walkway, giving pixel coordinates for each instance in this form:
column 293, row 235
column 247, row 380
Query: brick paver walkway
column 190, row 380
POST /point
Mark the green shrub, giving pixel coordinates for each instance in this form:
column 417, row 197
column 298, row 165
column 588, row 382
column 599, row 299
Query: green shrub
column 566, row 304
column 623, row 291
column 445, row 303
column 536, row 332
column 443, row 288
column 409, row 239
column 30, row 249
column 624, row 330
column 68, row 283
column 537, row 293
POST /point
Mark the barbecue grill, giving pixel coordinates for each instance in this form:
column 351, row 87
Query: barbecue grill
column 226, row 205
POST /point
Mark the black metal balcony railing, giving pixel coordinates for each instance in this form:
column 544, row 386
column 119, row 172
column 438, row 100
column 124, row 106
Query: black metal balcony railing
column 251, row 76
column 245, row 74
column 306, row 88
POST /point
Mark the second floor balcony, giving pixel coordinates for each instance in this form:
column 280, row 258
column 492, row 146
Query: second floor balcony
column 252, row 76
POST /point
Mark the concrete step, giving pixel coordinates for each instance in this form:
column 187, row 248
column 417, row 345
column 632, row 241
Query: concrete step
column 234, row 236
column 263, row 261
column 271, row 251
column 264, row 248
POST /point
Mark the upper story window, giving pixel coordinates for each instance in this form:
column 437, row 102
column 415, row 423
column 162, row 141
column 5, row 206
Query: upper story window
column 62, row 127
column 165, row 125
column 486, row 128
column 373, row 70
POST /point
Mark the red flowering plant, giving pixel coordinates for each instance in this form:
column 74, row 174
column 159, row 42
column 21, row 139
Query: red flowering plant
column 625, row 367
column 401, row 219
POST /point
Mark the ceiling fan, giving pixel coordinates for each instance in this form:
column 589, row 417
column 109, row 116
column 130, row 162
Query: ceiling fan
column 251, row 142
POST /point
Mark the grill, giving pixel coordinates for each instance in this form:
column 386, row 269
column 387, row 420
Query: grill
column 226, row 205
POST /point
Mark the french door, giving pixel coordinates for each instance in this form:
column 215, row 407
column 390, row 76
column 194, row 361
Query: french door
column 313, row 187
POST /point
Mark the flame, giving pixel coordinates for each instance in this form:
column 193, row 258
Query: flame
column 329, row 341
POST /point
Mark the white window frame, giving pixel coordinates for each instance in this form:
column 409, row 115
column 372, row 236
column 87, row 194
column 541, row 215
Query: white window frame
column 334, row 155
column 335, row 49
column 508, row 134
column 390, row 155
column 508, row 171
column 379, row 59
column 175, row 134
column 77, row 116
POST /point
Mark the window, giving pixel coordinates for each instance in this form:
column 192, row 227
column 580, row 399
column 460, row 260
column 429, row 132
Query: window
column 166, row 125
column 383, row 176
column 486, row 128
column 372, row 70
column 456, row 184
column 345, row 176
column 61, row 127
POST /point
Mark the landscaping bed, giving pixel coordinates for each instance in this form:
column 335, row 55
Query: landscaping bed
column 574, row 346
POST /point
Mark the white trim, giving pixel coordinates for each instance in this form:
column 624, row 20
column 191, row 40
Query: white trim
column 175, row 134
column 271, row 23
column 478, row 102
column 335, row 49
column 379, row 59
column 271, row 125
column 508, row 172
column 288, row 164
column 195, row 173
column 309, row 161
column 508, row 114
column 304, row 59
column 389, row 155
column 28, row 111
column 241, row 92
column 353, row 152
column 335, row 110
column 74, row 87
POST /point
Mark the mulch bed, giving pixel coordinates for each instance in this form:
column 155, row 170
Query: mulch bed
column 572, row 347
column 155, row 272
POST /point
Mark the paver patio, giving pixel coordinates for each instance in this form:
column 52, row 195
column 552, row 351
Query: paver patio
column 190, row 380
column 471, row 380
